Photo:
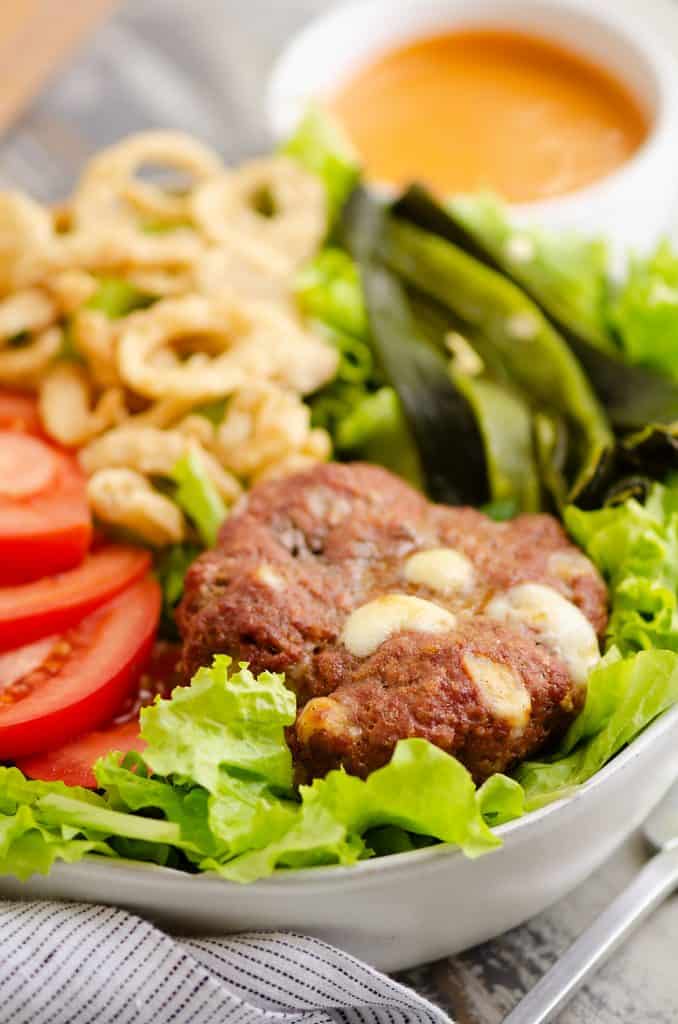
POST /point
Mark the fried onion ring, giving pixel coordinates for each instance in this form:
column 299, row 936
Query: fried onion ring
column 25, row 364
column 230, row 346
column 270, row 206
column 110, row 182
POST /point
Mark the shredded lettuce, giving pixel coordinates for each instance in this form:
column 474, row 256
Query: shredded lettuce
column 198, row 497
column 321, row 146
column 170, row 570
column 116, row 298
column 645, row 312
column 328, row 289
column 363, row 416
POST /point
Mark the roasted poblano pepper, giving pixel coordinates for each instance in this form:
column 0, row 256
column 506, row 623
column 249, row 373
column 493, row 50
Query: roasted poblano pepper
column 536, row 358
column 505, row 424
column 654, row 450
column 631, row 395
column 572, row 300
column 473, row 433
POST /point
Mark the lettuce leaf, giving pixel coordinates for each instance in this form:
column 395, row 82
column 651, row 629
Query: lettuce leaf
column 235, row 723
column 645, row 312
column 636, row 548
column 501, row 799
column 322, row 148
column 625, row 696
column 116, row 298
column 29, row 841
column 198, row 497
column 375, row 429
column 214, row 785
column 328, row 289
column 421, row 790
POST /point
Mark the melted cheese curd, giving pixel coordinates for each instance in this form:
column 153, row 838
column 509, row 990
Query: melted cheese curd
column 201, row 278
column 557, row 623
column 444, row 570
column 371, row 625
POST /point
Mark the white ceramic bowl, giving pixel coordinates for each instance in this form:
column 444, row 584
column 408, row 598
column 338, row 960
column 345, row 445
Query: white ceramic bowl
column 409, row 908
column 633, row 206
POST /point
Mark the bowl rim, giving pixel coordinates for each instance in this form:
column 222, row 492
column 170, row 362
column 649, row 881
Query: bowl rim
column 410, row 861
column 649, row 47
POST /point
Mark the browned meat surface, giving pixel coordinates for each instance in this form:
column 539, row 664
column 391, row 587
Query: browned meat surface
column 418, row 685
column 300, row 555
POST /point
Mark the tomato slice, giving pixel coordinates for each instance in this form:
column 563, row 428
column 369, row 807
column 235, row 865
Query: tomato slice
column 74, row 762
column 45, row 524
column 30, row 611
column 19, row 413
column 84, row 677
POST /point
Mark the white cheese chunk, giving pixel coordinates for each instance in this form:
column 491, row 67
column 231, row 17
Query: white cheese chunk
column 443, row 569
column 268, row 576
column 559, row 624
column 325, row 715
column 501, row 689
column 570, row 566
column 369, row 626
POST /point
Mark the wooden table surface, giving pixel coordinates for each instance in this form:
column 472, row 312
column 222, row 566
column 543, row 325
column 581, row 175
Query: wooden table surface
column 201, row 66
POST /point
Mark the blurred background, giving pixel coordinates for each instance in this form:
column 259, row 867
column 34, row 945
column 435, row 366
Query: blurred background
column 195, row 65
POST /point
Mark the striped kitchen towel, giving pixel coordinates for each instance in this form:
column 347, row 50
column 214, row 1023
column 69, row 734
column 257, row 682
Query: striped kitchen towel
column 81, row 964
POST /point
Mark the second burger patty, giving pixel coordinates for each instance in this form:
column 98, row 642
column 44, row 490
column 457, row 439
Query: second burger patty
column 392, row 617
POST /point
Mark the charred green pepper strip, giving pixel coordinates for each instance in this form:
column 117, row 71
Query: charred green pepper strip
column 631, row 395
column 448, row 440
column 494, row 249
column 536, row 358
column 551, row 443
column 654, row 449
column 503, row 417
column 446, row 433
column 636, row 487
column 506, row 425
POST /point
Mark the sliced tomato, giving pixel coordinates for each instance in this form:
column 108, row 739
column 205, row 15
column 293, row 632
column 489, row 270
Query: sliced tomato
column 52, row 692
column 19, row 412
column 74, row 762
column 30, row 611
column 45, row 525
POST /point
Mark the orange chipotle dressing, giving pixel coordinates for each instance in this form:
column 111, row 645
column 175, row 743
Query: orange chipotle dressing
column 489, row 109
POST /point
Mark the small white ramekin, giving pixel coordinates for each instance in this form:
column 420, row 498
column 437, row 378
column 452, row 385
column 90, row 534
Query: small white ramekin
column 633, row 207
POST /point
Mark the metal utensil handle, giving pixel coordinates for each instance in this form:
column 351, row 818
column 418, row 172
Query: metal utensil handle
column 657, row 880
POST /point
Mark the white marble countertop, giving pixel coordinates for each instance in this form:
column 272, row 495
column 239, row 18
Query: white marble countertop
column 201, row 65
